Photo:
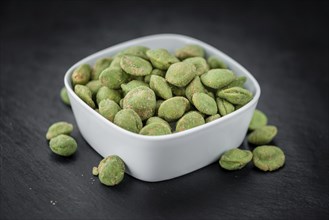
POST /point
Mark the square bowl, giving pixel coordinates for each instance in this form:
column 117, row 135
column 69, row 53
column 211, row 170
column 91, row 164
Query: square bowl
column 157, row 158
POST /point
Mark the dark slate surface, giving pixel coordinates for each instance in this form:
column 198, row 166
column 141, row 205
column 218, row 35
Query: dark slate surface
column 284, row 45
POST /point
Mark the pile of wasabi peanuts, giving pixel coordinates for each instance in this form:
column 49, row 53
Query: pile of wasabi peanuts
column 265, row 157
column 153, row 92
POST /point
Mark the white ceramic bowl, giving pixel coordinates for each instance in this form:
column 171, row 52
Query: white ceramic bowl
column 156, row 158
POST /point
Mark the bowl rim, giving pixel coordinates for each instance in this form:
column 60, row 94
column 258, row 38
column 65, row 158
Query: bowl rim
column 140, row 40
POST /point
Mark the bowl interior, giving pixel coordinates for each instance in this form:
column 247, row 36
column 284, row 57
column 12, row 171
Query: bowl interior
column 170, row 42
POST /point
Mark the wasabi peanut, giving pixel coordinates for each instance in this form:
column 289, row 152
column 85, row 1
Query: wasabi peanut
column 113, row 77
column 161, row 58
column 173, row 108
column 237, row 82
column 106, row 93
column 85, row 94
column 155, row 129
column 108, row 109
column 212, row 118
column 142, row 100
column 190, row 50
column 135, row 66
column 194, row 87
column 160, row 87
column 235, row 95
column 99, row 66
column 157, row 120
column 94, row 86
column 224, row 107
column 215, row 63
column 199, row 63
column 235, row 159
column 268, row 158
column 64, row 96
column 180, row 74
column 217, row 78
column 139, row 51
column 189, row 120
column 128, row 119
column 115, row 64
column 63, row 145
column 58, row 128
column 131, row 85
column 262, row 135
column 157, row 72
column 81, row 75
column 110, row 171
column 258, row 120
column 204, row 103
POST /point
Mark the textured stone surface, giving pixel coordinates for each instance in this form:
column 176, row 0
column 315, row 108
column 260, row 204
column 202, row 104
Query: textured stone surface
column 273, row 40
